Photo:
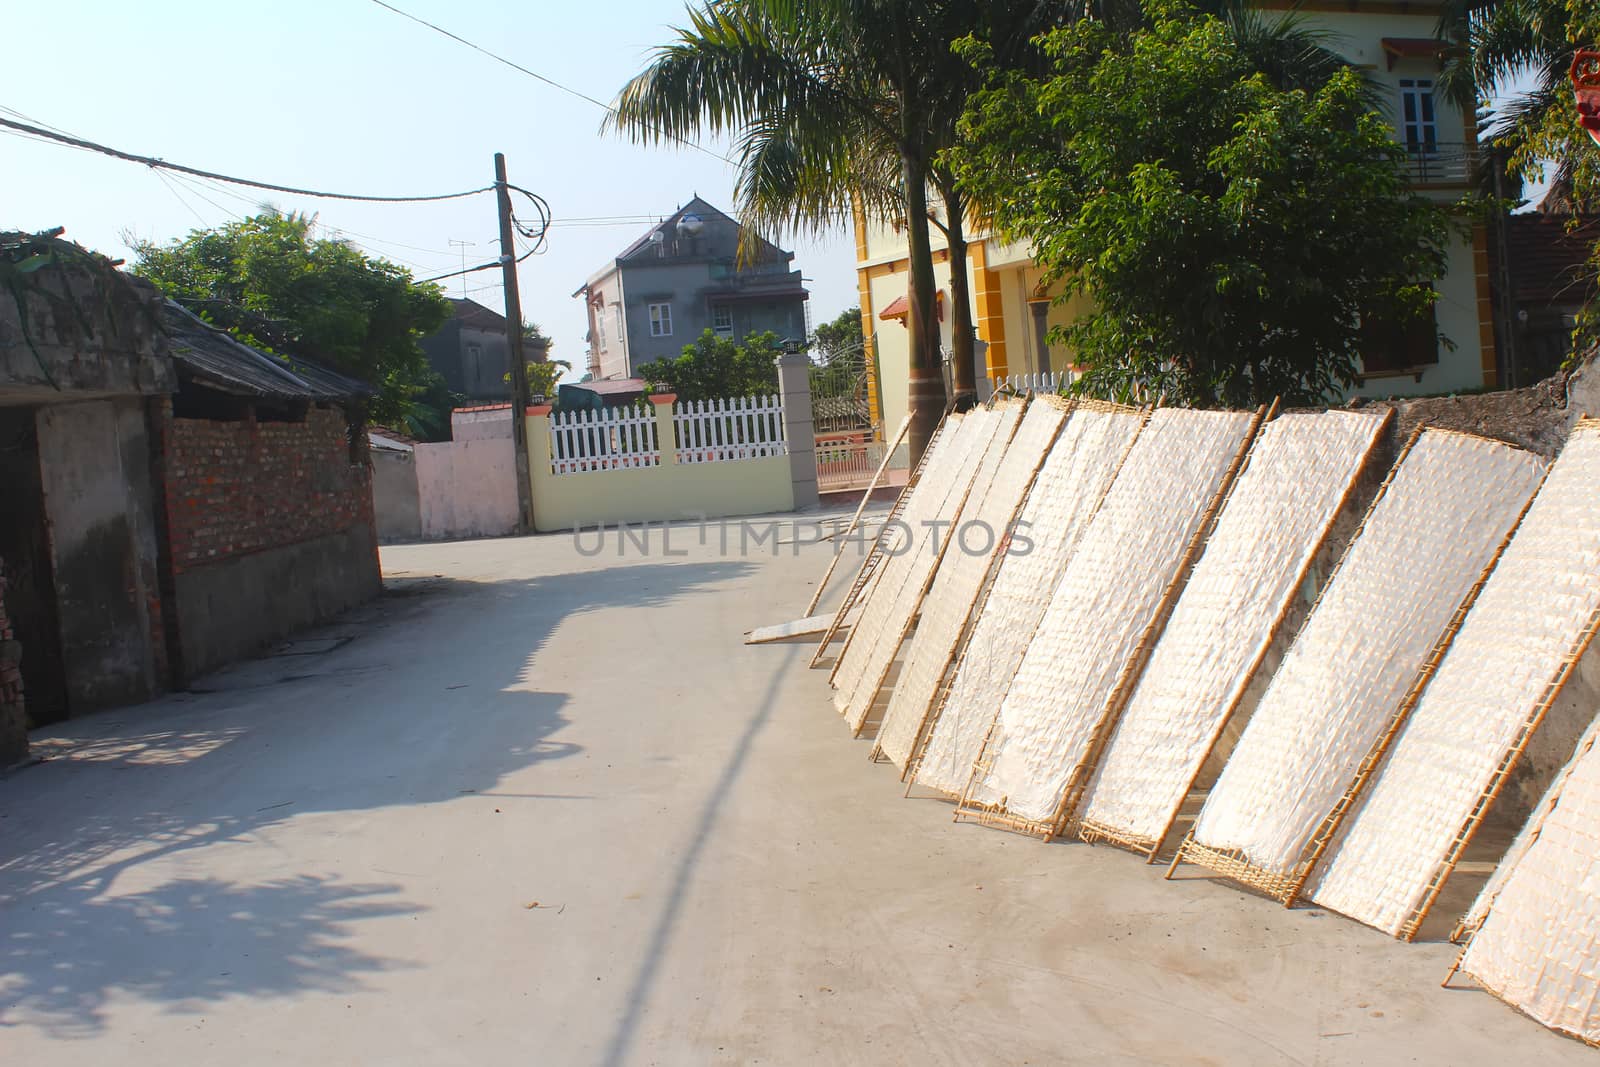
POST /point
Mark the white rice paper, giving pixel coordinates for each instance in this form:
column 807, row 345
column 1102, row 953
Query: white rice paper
column 939, row 470
column 1300, row 471
column 1539, row 945
column 1074, row 479
column 992, row 431
column 1109, row 595
column 1525, row 625
column 996, row 494
column 1447, row 509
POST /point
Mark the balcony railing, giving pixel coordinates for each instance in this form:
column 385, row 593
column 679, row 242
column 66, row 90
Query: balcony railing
column 1438, row 163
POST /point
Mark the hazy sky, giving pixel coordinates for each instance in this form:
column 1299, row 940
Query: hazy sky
column 345, row 96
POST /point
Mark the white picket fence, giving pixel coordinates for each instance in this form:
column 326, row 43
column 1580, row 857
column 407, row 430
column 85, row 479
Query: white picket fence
column 610, row 439
column 1047, row 382
column 703, row 431
column 741, row 427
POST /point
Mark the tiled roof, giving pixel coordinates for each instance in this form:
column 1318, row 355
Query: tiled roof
column 471, row 313
column 1548, row 264
column 220, row 361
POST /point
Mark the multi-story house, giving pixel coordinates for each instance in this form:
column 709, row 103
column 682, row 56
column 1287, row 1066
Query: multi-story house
column 1395, row 44
column 681, row 278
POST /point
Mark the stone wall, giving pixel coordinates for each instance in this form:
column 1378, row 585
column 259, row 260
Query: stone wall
column 1537, row 418
column 13, row 724
column 271, row 529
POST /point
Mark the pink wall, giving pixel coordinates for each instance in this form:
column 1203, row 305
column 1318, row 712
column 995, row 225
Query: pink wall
column 467, row 488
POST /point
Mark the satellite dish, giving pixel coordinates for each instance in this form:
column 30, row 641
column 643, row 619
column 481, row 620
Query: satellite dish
column 690, row 226
column 658, row 237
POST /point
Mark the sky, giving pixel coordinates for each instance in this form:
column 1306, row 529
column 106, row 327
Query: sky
column 342, row 95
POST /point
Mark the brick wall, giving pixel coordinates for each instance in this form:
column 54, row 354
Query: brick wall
column 13, row 725
column 235, row 488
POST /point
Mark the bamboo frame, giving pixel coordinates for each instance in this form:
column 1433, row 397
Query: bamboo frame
column 927, row 581
column 1375, row 756
column 1231, row 863
column 1465, row 929
column 943, row 697
column 1122, row 692
column 855, row 520
column 875, row 553
column 1151, row 847
column 1486, row 799
column 995, row 814
column 996, row 554
column 1286, row 887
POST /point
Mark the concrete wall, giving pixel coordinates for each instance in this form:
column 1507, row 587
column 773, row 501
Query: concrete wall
column 271, row 529
column 472, row 362
column 651, row 494
column 230, row 609
column 481, row 423
column 97, row 492
column 79, row 329
column 395, row 504
column 13, row 722
column 467, row 488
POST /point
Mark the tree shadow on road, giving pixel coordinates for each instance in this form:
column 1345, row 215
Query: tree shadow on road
column 434, row 698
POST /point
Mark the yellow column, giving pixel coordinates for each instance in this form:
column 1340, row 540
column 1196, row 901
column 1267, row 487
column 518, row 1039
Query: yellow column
column 538, row 425
column 666, row 441
column 1487, row 348
column 864, row 290
column 990, row 312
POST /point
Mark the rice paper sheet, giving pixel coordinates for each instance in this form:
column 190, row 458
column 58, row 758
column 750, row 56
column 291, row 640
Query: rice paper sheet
column 1301, row 470
column 1530, row 620
column 939, row 470
column 993, row 429
column 985, row 521
column 1539, row 945
column 1074, row 479
column 1109, row 595
column 1426, row 541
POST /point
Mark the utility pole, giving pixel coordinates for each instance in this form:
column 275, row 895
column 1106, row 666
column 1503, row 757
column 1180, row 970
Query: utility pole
column 519, row 366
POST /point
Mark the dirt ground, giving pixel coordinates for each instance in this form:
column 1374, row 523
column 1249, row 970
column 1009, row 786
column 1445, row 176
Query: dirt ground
column 545, row 807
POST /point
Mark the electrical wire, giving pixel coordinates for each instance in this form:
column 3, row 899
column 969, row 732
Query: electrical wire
column 151, row 161
column 607, row 108
column 492, row 265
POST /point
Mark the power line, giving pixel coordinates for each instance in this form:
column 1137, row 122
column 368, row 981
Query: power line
column 494, row 265
column 607, row 108
column 151, row 161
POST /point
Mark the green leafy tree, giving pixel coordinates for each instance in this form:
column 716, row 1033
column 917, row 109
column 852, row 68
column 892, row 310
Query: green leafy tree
column 838, row 105
column 841, row 337
column 716, row 366
column 273, row 285
column 1233, row 234
column 543, row 372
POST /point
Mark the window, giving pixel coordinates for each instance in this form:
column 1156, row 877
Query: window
column 722, row 319
column 660, row 320
column 1418, row 124
column 1393, row 346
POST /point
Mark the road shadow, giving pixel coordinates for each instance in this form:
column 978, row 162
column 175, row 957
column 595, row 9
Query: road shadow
column 427, row 696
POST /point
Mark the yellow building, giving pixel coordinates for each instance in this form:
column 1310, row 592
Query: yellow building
column 1394, row 42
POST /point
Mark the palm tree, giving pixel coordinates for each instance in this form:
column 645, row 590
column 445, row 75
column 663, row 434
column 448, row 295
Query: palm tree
column 834, row 103
column 1517, row 53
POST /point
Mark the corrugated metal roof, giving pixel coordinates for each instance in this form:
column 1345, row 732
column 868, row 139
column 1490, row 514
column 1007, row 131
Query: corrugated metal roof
column 220, row 361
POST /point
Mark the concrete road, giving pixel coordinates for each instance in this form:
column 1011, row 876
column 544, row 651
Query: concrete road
column 541, row 807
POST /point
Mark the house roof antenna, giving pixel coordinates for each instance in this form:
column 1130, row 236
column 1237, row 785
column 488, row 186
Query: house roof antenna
column 463, row 245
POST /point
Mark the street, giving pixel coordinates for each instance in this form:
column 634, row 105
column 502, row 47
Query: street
column 540, row 806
